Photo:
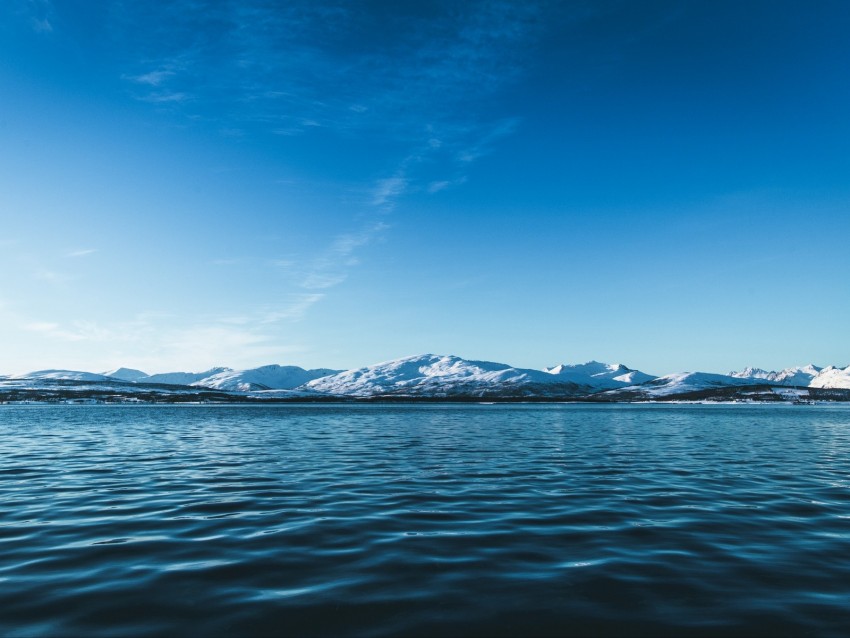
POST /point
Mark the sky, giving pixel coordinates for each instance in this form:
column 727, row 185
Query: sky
column 193, row 183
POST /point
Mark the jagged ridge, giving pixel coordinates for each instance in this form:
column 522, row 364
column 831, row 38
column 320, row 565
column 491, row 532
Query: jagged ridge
column 447, row 376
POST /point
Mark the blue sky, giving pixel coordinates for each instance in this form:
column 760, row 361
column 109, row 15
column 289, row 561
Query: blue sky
column 330, row 184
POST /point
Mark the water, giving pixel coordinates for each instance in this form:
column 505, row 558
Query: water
column 424, row 520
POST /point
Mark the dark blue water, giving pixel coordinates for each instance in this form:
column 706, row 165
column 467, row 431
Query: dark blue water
column 424, row 520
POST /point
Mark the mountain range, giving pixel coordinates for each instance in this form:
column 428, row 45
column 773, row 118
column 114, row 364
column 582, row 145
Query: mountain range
column 435, row 377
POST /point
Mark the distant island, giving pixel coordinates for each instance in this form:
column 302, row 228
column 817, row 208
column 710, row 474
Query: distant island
column 428, row 378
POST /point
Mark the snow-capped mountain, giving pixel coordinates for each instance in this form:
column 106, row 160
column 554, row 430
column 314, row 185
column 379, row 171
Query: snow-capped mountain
column 798, row 375
column 613, row 371
column 681, row 383
column 832, row 377
column 61, row 375
column 271, row 377
column 182, row 378
column 429, row 376
column 447, row 375
column 754, row 373
column 126, row 374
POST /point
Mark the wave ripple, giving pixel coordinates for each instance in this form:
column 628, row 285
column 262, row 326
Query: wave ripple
column 423, row 520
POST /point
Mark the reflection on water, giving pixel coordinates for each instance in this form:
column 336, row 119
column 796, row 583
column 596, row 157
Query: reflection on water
column 423, row 520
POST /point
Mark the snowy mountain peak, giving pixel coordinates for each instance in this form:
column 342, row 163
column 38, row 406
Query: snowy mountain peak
column 752, row 373
column 126, row 374
column 61, row 375
column 437, row 376
column 450, row 375
column 680, row 383
column 796, row 376
column 182, row 378
column 591, row 368
column 832, row 377
column 611, row 371
column 418, row 375
column 270, row 377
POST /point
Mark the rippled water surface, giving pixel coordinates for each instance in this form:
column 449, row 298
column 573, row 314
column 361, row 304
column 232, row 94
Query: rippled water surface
column 424, row 520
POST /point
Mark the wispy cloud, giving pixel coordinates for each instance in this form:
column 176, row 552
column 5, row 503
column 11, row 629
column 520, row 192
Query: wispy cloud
column 41, row 15
column 324, row 277
column 388, row 189
column 410, row 78
column 398, row 71
column 82, row 252
column 42, row 25
column 332, row 267
column 218, row 345
column 487, row 139
column 294, row 311
column 165, row 97
column 157, row 342
column 50, row 276
column 77, row 331
column 151, row 78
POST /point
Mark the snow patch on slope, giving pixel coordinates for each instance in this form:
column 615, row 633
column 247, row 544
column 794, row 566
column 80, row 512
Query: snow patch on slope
column 61, row 375
column 271, row 377
column 682, row 383
column 182, row 378
column 798, row 375
column 437, row 375
column 617, row 372
column 126, row 374
column 832, row 377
